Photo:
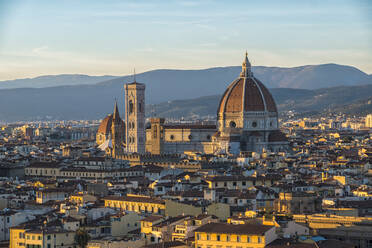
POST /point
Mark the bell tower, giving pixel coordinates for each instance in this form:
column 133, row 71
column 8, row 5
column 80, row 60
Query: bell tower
column 135, row 117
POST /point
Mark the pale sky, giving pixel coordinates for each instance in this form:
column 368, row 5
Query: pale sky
column 112, row 37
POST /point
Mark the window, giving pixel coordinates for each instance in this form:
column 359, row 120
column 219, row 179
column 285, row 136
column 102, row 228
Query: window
column 155, row 133
column 190, row 137
column 130, row 106
column 232, row 124
column 198, row 236
column 227, row 237
column 39, row 237
column 208, row 237
column 172, row 137
column 259, row 239
column 208, row 137
column 237, row 238
column 48, row 246
column 244, row 183
column 248, row 239
column 218, row 238
column 33, row 237
column 254, row 124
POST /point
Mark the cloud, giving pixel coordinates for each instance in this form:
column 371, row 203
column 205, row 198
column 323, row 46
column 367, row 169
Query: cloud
column 39, row 50
column 189, row 3
column 146, row 49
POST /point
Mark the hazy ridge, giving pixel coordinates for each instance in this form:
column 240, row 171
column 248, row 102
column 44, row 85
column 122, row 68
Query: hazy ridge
column 294, row 88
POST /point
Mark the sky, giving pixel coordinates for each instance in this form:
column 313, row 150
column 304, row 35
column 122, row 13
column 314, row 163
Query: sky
column 110, row 37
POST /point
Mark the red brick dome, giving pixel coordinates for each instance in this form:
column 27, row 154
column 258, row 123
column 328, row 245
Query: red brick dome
column 106, row 123
column 246, row 94
column 105, row 126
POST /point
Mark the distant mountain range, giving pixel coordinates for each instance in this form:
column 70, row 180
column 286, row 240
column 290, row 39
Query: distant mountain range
column 86, row 97
column 345, row 99
column 302, row 77
column 53, row 80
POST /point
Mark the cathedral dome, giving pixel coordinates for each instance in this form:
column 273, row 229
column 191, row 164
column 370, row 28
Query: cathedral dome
column 105, row 126
column 246, row 94
column 111, row 129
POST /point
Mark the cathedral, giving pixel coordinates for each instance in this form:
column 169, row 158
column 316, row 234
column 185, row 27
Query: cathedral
column 110, row 135
column 247, row 120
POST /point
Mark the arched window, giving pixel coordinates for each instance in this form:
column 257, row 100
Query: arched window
column 155, row 134
column 140, row 107
column 131, row 107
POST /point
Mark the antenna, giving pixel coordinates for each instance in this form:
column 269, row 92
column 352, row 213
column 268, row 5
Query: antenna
column 134, row 74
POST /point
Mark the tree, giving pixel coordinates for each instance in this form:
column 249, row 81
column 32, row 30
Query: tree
column 82, row 237
column 347, row 139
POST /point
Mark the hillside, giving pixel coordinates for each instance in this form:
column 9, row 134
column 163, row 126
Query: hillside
column 302, row 77
column 53, row 80
column 185, row 84
column 351, row 100
column 91, row 100
column 88, row 102
column 361, row 107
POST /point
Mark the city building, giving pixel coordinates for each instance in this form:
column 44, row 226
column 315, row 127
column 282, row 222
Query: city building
column 227, row 235
column 368, row 121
